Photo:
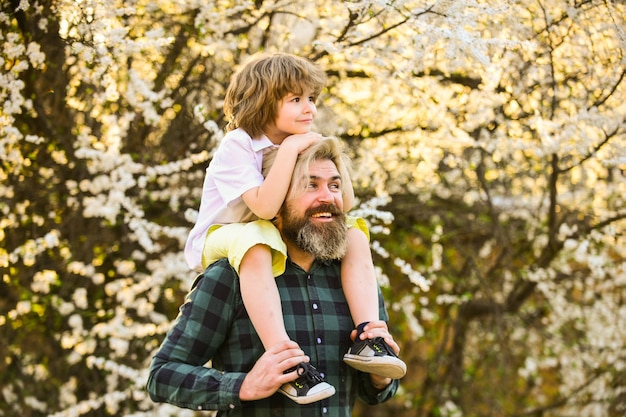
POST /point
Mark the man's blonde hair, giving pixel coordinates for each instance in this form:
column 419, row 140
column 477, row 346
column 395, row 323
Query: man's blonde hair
column 255, row 91
column 330, row 148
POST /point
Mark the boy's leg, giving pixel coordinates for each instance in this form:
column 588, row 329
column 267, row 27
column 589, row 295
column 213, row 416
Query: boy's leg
column 262, row 301
column 258, row 253
column 358, row 278
column 360, row 288
column 260, row 295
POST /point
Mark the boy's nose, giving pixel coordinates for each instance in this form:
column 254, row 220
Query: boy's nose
column 309, row 107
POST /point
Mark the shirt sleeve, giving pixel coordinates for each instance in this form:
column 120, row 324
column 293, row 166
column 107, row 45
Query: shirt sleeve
column 235, row 169
column 372, row 396
column 178, row 374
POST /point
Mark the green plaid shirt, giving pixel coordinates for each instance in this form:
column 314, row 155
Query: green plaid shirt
column 213, row 326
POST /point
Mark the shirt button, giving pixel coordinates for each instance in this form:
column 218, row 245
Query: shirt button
column 314, row 306
column 319, row 340
column 322, row 374
column 324, row 410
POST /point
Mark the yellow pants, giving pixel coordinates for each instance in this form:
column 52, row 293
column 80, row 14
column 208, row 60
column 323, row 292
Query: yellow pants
column 233, row 240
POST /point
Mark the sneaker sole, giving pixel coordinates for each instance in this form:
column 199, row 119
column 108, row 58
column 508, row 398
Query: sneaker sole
column 328, row 392
column 388, row 367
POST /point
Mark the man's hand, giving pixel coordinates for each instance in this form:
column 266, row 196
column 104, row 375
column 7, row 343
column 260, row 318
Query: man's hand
column 268, row 375
column 372, row 330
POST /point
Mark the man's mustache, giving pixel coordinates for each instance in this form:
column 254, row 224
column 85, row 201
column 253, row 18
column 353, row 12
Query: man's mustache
column 324, row 208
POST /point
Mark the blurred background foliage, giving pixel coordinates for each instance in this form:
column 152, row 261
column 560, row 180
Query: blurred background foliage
column 488, row 143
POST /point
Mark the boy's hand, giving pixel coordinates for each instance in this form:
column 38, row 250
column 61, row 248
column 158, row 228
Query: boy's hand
column 301, row 141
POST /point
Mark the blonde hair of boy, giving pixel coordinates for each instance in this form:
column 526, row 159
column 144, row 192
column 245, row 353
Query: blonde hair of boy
column 256, row 89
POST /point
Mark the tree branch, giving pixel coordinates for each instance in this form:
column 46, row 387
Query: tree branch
column 594, row 151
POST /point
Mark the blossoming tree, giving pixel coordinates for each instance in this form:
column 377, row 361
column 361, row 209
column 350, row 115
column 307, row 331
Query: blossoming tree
column 489, row 149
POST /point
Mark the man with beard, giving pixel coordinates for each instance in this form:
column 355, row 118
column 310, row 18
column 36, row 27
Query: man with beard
column 242, row 379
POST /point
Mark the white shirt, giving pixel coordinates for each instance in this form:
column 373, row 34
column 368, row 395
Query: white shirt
column 234, row 169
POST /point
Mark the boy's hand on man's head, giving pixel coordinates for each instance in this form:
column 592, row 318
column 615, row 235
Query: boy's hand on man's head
column 302, row 141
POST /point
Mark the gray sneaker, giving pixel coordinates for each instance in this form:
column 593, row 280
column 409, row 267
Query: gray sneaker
column 374, row 356
column 308, row 387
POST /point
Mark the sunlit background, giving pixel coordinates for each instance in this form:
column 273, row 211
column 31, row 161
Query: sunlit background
column 488, row 141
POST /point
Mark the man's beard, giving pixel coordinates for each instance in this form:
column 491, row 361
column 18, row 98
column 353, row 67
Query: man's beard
column 325, row 240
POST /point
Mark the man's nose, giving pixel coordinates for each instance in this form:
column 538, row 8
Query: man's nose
column 325, row 195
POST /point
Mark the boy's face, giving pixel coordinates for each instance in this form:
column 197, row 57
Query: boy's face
column 295, row 115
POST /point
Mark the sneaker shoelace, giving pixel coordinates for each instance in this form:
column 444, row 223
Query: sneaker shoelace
column 309, row 372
